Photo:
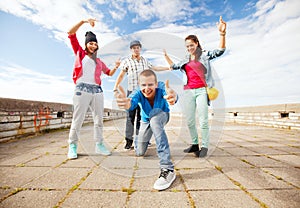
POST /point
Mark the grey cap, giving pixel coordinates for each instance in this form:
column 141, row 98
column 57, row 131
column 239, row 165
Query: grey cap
column 134, row 43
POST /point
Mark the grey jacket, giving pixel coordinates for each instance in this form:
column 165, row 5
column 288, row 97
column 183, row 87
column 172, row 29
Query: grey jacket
column 205, row 60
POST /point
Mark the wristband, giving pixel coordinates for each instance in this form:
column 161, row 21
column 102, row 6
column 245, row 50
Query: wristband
column 222, row 33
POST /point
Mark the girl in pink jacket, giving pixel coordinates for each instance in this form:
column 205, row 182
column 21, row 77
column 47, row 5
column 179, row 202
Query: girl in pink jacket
column 88, row 94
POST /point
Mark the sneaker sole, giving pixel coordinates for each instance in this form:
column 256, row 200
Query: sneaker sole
column 72, row 158
column 160, row 188
column 104, row 154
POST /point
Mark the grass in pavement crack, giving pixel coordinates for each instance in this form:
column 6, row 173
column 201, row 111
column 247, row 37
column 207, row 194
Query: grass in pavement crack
column 191, row 200
column 75, row 187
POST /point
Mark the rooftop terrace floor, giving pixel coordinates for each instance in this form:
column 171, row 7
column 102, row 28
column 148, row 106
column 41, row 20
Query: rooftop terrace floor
column 247, row 166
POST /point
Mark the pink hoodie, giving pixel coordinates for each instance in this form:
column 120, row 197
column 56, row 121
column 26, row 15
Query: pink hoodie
column 80, row 53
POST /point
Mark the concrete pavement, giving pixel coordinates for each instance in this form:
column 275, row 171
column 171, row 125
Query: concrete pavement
column 247, row 166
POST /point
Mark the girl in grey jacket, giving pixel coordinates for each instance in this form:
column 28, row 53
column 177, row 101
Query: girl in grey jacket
column 197, row 77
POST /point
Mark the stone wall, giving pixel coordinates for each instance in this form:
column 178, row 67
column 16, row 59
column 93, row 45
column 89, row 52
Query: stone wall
column 20, row 118
column 278, row 116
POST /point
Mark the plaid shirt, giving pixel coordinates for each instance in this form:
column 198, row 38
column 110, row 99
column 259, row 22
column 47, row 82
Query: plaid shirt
column 133, row 68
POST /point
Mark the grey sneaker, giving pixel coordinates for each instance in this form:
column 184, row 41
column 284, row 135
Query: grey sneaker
column 101, row 149
column 165, row 179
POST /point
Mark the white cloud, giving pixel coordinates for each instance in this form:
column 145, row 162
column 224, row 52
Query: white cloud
column 22, row 83
column 260, row 65
column 60, row 16
column 165, row 12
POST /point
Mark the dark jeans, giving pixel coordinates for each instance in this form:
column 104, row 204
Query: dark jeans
column 131, row 115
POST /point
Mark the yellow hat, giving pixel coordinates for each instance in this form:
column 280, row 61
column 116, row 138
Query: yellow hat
column 212, row 93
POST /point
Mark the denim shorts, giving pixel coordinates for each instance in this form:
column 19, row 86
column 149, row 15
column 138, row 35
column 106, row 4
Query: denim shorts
column 89, row 88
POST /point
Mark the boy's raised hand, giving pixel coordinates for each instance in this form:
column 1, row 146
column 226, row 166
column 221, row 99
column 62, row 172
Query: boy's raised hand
column 221, row 25
column 122, row 101
column 171, row 96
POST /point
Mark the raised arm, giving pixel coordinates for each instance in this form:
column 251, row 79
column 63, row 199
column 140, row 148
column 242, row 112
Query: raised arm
column 117, row 64
column 170, row 62
column 74, row 29
column 160, row 68
column 119, row 80
column 222, row 29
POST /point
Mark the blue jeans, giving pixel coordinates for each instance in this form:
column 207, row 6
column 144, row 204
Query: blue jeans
column 196, row 100
column 158, row 119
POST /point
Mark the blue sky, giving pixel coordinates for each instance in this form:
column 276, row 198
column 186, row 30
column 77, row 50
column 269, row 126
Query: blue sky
column 259, row 67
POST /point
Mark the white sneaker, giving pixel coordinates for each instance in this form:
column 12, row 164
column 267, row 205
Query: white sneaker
column 165, row 179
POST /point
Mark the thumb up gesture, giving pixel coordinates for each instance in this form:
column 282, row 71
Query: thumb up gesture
column 122, row 101
column 171, row 96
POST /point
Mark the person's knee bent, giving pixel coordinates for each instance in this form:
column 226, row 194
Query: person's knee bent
column 139, row 153
column 141, row 148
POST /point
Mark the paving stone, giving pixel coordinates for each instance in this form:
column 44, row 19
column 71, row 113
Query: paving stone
column 228, row 162
column 254, row 178
column 238, row 151
column 59, row 178
column 265, row 150
column 95, row 199
column 106, row 180
column 47, row 160
column 219, row 152
column 41, row 198
column 16, row 177
column 158, row 199
column 223, row 198
column 263, row 161
column 278, row 198
column 19, row 159
column 200, row 179
column 293, row 160
column 83, row 161
column 289, row 150
column 190, row 161
column 291, row 175
column 5, row 191
column 119, row 162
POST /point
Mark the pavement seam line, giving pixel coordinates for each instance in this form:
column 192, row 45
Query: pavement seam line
column 265, row 171
column 130, row 190
column 238, row 184
column 15, row 191
column 247, row 140
column 191, row 200
column 75, row 187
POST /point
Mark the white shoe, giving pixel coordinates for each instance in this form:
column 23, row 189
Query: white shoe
column 165, row 179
